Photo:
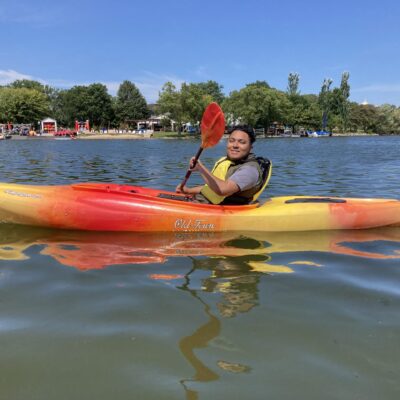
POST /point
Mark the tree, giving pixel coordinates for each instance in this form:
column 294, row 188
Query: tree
column 293, row 84
column 188, row 103
column 389, row 117
column 99, row 107
column 262, row 84
column 170, row 103
column 51, row 93
column 303, row 111
column 57, row 110
column 325, row 100
column 364, row 118
column 130, row 103
column 296, row 105
column 27, row 84
column 344, row 96
column 86, row 102
column 310, row 117
column 194, row 100
column 213, row 89
column 22, row 105
column 256, row 104
column 73, row 103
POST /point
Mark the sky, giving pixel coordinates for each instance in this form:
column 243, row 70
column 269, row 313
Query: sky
column 234, row 42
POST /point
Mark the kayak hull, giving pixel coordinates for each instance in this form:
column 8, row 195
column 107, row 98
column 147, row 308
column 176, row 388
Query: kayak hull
column 113, row 207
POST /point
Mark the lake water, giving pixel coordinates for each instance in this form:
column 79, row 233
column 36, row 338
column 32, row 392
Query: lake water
column 193, row 316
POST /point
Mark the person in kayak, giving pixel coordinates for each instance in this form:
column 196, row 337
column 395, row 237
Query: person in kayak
column 237, row 178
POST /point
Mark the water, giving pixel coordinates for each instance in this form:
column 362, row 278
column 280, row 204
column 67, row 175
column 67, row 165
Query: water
column 201, row 316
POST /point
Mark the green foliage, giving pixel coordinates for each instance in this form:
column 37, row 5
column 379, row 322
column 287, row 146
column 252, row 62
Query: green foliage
column 99, row 105
column 293, row 84
column 334, row 103
column 213, row 89
column 263, row 84
column 130, row 103
column 363, row 118
column 194, row 100
column 85, row 102
column 27, row 84
column 303, row 111
column 256, row 104
column 23, row 105
column 170, row 103
column 325, row 100
column 344, row 103
column 188, row 103
column 389, row 118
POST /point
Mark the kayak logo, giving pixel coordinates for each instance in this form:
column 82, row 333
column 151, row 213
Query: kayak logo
column 193, row 225
column 21, row 194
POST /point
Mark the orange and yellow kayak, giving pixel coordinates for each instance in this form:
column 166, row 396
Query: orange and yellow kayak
column 113, row 207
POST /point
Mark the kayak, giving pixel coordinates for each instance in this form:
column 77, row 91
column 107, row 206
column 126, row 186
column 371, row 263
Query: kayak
column 114, row 207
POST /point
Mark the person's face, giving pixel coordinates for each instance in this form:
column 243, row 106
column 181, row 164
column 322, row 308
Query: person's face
column 238, row 146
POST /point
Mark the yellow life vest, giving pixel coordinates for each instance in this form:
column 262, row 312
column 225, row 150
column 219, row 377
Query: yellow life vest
column 220, row 170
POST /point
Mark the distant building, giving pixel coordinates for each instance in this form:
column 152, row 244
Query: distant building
column 154, row 123
column 82, row 126
column 48, row 126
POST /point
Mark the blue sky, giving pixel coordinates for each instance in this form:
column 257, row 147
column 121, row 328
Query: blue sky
column 234, row 42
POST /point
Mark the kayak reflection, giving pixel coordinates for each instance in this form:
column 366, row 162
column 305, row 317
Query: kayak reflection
column 97, row 250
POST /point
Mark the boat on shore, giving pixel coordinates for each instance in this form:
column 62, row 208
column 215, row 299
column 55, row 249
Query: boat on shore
column 65, row 134
column 319, row 134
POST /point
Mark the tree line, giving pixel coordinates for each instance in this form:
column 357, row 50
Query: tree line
column 257, row 104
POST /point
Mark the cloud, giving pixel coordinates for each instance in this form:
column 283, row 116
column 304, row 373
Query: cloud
column 8, row 76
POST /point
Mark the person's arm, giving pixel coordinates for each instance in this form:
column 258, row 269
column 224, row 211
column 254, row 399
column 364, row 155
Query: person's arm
column 219, row 186
column 188, row 190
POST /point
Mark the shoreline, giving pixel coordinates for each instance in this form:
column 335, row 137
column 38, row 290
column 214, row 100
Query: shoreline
column 133, row 136
column 151, row 136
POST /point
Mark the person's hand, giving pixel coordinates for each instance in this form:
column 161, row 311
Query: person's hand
column 181, row 189
column 196, row 167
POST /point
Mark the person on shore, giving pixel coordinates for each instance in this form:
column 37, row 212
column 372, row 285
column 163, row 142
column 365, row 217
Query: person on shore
column 238, row 178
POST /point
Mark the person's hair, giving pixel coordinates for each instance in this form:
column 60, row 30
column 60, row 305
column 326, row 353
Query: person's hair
column 244, row 128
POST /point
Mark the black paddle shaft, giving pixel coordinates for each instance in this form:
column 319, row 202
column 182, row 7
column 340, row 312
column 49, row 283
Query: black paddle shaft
column 189, row 172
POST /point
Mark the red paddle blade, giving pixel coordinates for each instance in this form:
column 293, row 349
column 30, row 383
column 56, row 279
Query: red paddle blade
column 212, row 125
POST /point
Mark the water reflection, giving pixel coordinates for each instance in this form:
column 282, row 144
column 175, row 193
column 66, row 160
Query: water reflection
column 233, row 279
column 224, row 277
column 97, row 250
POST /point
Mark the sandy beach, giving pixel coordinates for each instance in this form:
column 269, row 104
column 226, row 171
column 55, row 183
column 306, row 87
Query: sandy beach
column 90, row 136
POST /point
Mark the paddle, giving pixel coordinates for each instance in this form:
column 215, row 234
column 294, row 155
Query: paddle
column 212, row 128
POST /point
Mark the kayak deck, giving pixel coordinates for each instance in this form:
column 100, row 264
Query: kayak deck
column 113, row 207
